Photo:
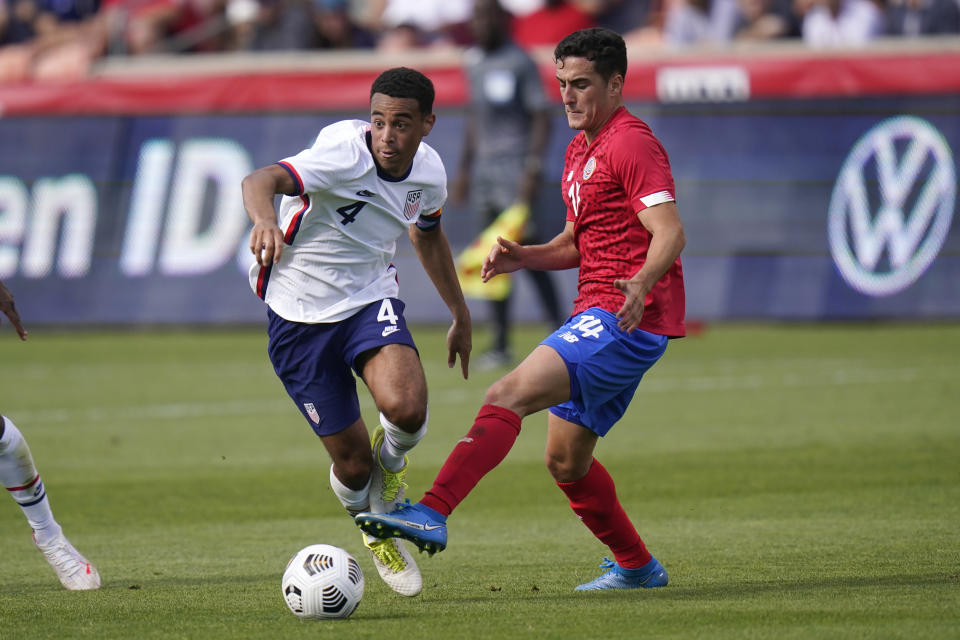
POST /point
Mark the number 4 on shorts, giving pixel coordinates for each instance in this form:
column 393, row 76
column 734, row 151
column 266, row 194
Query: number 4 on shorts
column 386, row 314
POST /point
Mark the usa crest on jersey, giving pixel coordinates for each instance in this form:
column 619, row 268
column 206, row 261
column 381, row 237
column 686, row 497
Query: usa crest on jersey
column 412, row 206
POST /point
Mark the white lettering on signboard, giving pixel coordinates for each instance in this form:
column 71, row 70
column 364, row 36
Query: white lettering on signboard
column 185, row 217
column 147, row 200
column 201, row 197
column 219, row 165
column 69, row 203
column 13, row 223
column 722, row 83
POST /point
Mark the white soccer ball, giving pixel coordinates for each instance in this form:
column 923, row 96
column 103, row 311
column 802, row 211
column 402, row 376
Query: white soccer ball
column 322, row 581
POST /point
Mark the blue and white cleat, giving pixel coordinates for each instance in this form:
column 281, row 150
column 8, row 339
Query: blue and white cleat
column 417, row 523
column 648, row 576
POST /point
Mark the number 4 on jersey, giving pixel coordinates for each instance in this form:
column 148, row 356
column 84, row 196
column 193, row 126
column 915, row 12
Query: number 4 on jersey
column 350, row 211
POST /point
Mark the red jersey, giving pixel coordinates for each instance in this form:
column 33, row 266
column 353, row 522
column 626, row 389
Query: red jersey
column 605, row 185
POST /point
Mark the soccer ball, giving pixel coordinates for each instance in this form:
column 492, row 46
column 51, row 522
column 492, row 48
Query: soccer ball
column 322, row 581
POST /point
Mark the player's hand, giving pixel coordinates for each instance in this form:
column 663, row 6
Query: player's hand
column 631, row 312
column 459, row 343
column 504, row 257
column 9, row 309
column 266, row 243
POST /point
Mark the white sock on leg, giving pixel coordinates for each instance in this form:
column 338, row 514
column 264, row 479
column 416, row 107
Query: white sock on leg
column 20, row 477
column 353, row 500
column 397, row 442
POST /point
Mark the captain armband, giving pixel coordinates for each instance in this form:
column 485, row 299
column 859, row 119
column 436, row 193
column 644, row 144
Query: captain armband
column 429, row 221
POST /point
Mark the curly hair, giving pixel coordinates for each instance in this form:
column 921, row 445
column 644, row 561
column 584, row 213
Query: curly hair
column 401, row 82
column 603, row 47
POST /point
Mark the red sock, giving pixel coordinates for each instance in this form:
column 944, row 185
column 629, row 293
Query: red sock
column 488, row 442
column 594, row 498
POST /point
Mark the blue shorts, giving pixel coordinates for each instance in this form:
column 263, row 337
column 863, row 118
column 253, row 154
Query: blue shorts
column 315, row 362
column 605, row 366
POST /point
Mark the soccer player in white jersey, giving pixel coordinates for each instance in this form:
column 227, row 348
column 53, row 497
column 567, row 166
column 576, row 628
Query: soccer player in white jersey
column 19, row 475
column 323, row 267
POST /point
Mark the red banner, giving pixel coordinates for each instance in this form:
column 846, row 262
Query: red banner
column 717, row 78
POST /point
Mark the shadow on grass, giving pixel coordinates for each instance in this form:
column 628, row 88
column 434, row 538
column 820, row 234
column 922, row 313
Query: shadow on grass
column 817, row 584
column 733, row 590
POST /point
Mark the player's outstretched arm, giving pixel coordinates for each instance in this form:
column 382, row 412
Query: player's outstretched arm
column 259, row 188
column 507, row 256
column 9, row 309
column 434, row 253
column 667, row 240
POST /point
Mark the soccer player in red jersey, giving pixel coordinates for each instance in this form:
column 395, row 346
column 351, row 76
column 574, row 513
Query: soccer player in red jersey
column 624, row 233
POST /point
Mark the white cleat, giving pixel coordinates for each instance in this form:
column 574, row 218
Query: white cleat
column 74, row 571
column 395, row 565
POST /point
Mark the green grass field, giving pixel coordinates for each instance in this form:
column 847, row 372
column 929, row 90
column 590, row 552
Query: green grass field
column 797, row 481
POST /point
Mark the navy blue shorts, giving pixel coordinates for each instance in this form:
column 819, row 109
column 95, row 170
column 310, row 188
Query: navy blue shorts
column 315, row 362
column 605, row 366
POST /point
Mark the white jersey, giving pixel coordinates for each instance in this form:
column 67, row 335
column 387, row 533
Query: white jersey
column 341, row 231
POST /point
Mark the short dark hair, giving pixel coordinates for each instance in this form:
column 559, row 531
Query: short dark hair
column 401, row 82
column 603, row 47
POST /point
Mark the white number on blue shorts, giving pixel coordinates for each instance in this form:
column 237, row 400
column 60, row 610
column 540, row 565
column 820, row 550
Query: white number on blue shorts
column 589, row 326
column 386, row 314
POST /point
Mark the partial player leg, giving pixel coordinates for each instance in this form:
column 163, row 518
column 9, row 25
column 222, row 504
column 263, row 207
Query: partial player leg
column 350, row 479
column 20, row 477
column 394, row 375
column 538, row 382
column 499, row 355
column 593, row 497
column 352, row 462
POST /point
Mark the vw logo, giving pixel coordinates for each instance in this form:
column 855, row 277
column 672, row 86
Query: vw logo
column 891, row 206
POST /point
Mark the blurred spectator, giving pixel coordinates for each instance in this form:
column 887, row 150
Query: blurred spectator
column 842, row 23
column 404, row 36
column 336, row 28
column 624, row 16
column 49, row 39
column 699, row 22
column 552, row 21
column 56, row 12
column 922, row 17
column 272, row 25
column 164, row 26
column 243, row 16
column 687, row 22
column 760, row 20
column 17, row 18
column 406, row 24
column 200, row 26
column 138, row 26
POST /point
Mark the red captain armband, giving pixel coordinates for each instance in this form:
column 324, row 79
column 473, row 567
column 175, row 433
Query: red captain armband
column 429, row 221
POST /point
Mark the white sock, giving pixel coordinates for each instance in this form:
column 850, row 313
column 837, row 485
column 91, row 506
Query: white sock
column 353, row 500
column 397, row 442
column 19, row 475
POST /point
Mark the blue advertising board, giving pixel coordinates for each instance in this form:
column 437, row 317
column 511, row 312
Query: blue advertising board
column 794, row 209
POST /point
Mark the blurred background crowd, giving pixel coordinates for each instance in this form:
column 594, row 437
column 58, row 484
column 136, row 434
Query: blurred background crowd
column 62, row 38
